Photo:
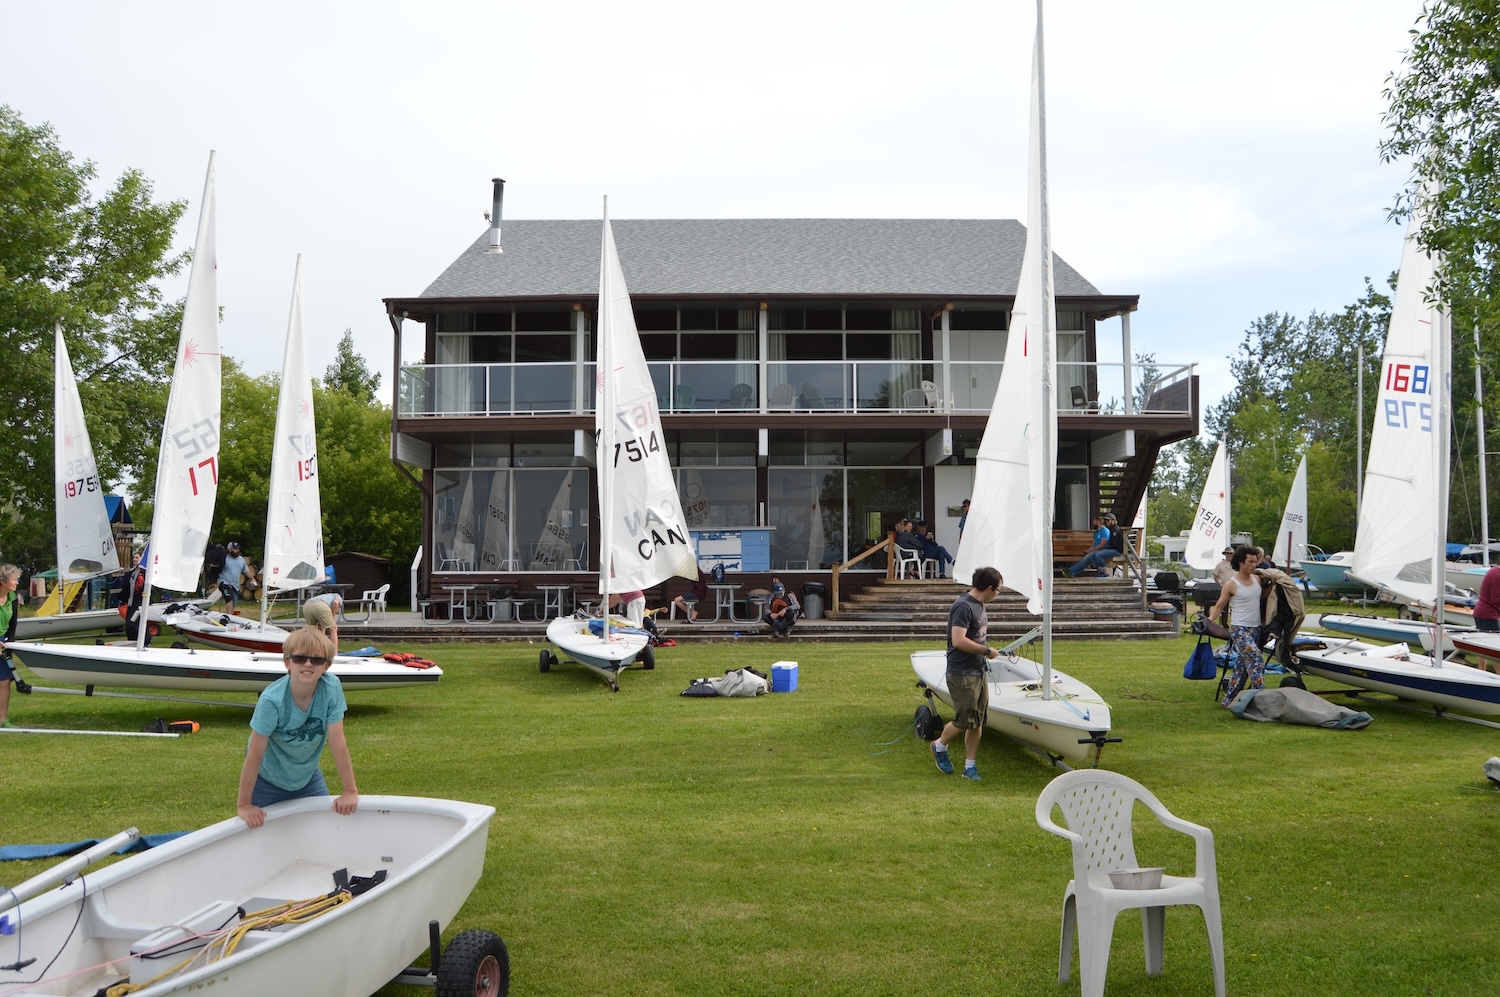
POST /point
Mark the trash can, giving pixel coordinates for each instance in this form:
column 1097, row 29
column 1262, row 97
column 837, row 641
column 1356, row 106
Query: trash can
column 812, row 601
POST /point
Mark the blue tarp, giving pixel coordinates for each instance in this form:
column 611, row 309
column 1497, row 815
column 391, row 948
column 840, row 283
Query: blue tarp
column 13, row 853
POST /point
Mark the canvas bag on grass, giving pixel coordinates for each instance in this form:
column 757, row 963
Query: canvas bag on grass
column 1201, row 664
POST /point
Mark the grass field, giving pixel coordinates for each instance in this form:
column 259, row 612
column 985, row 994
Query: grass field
column 644, row 843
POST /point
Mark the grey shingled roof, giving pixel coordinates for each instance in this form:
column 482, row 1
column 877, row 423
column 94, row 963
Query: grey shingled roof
column 754, row 257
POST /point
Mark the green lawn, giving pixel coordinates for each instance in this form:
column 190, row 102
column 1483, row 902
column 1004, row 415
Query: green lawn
column 648, row 844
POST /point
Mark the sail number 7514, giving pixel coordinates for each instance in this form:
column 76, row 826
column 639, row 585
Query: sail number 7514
column 1408, row 413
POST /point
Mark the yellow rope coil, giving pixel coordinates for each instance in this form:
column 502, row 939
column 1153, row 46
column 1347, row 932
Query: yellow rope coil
column 224, row 942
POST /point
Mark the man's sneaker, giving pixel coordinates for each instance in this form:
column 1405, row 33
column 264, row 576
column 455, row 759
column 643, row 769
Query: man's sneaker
column 6, row 723
column 971, row 773
column 23, row 687
column 944, row 764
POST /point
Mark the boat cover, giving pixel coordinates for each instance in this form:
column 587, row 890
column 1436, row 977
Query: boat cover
column 1290, row 705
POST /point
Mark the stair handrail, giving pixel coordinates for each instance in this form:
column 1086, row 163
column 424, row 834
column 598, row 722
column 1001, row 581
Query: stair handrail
column 888, row 544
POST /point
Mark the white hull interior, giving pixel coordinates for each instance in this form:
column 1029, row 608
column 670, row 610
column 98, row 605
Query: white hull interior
column 1018, row 710
column 432, row 852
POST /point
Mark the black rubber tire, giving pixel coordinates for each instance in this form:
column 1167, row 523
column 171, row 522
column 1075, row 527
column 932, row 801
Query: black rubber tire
column 1292, row 682
column 475, row 964
column 546, row 661
column 180, row 645
column 647, row 657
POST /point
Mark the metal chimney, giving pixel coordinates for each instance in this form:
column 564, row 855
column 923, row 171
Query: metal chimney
column 495, row 216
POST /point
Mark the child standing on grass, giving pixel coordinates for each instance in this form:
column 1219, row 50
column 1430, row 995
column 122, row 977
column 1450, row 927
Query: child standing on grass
column 294, row 717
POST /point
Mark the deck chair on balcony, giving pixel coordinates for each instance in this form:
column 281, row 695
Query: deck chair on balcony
column 684, row 398
column 914, row 398
column 741, row 395
column 783, row 397
column 1081, row 401
column 1097, row 807
column 811, row 397
column 930, row 390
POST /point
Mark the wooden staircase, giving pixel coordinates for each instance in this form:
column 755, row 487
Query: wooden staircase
column 1082, row 609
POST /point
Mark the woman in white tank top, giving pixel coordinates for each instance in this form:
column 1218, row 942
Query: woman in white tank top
column 1242, row 595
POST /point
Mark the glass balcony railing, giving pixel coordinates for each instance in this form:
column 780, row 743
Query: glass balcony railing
column 849, row 386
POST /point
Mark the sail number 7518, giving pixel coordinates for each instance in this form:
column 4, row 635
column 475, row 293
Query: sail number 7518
column 1408, row 413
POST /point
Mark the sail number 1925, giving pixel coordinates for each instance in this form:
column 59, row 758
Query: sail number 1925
column 1408, row 413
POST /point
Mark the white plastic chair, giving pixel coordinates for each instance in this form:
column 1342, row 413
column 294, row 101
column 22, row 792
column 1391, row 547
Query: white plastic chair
column 908, row 556
column 373, row 601
column 1098, row 806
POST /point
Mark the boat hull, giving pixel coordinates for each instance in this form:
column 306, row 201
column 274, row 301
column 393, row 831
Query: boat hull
column 204, row 671
column 574, row 641
column 1393, row 669
column 64, row 624
column 224, row 630
column 1479, row 643
column 1332, row 575
column 432, row 851
column 1386, row 630
column 1017, row 709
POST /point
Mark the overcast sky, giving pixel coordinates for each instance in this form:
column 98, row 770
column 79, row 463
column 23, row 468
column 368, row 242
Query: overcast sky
column 1219, row 160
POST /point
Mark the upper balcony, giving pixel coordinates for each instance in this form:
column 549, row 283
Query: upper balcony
column 817, row 386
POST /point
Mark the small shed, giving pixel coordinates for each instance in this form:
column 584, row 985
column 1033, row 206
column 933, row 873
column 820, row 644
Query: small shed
column 360, row 572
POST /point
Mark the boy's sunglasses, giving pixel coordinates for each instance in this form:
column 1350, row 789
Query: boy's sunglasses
column 306, row 659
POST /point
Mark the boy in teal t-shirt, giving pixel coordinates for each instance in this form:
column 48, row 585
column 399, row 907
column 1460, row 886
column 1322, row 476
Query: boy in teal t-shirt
column 294, row 717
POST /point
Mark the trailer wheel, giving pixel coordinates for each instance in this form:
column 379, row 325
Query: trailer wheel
column 1292, row 682
column 179, row 645
column 475, row 964
column 546, row 661
column 647, row 657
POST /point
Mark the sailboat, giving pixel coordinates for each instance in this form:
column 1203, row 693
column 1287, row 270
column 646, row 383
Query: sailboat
column 294, row 511
column 186, row 484
column 1010, row 515
column 643, row 531
column 1291, row 539
column 1210, row 532
column 1401, row 539
column 85, row 542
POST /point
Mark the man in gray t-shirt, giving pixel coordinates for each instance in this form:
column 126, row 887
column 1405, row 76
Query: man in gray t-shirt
column 967, row 678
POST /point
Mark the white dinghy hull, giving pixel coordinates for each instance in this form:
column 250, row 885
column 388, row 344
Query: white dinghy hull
column 225, row 630
column 1054, row 726
column 65, row 624
column 432, row 851
column 128, row 666
column 1395, row 670
column 574, row 641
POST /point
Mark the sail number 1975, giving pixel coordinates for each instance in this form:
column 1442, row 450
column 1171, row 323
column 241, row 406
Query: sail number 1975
column 1408, row 413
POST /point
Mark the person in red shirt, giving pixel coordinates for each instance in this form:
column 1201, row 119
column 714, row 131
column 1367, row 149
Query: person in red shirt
column 1487, row 610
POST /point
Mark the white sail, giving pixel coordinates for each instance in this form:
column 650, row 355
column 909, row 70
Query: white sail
column 1291, row 541
column 495, row 552
column 85, row 543
column 1210, row 532
column 294, row 514
column 643, row 531
column 187, row 470
column 1010, row 513
column 554, row 544
column 1402, row 521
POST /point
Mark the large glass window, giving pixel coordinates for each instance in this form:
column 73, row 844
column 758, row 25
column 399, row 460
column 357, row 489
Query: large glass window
column 717, row 496
column 500, row 520
column 806, row 507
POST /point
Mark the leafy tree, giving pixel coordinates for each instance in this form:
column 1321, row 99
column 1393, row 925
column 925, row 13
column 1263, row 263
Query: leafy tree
column 1444, row 116
column 92, row 264
column 368, row 504
column 349, row 373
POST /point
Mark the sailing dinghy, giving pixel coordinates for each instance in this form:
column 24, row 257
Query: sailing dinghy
column 1400, row 545
column 311, row 902
column 643, row 532
column 294, row 510
column 85, row 541
column 1010, row 515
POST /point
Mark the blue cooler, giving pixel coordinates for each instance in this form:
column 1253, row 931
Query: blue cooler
column 784, row 676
